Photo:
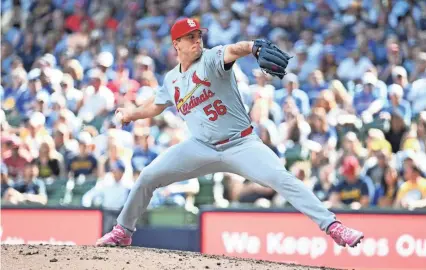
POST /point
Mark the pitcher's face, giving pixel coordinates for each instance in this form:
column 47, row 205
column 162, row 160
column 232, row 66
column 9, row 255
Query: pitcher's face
column 191, row 45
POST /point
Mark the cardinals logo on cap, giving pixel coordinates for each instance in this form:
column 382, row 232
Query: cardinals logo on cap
column 177, row 94
column 191, row 23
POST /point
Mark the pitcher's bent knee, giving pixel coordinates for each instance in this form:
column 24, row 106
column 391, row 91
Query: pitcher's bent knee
column 148, row 179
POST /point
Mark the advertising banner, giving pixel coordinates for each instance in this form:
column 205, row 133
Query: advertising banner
column 50, row 226
column 391, row 241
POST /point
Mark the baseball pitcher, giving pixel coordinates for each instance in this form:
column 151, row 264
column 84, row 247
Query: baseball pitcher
column 204, row 90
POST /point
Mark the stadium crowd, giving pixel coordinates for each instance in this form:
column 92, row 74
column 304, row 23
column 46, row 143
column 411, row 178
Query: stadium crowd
column 349, row 118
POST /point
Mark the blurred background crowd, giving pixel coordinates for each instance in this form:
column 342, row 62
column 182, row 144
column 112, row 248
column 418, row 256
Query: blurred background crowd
column 349, row 120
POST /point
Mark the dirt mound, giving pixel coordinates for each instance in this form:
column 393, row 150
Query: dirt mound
column 89, row 257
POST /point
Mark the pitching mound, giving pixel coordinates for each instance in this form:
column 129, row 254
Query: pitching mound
column 89, row 257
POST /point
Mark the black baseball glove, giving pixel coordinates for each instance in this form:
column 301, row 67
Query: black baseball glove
column 271, row 59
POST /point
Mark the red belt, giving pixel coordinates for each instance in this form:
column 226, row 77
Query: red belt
column 243, row 133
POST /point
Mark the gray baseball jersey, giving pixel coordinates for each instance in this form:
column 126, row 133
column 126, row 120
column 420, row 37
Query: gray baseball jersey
column 207, row 97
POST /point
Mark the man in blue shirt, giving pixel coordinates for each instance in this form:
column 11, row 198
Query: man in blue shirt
column 364, row 98
column 25, row 103
column 28, row 189
column 15, row 90
column 291, row 89
column 316, row 83
column 143, row 154
column 396, row 104
column 352, row 191
column 85, row 162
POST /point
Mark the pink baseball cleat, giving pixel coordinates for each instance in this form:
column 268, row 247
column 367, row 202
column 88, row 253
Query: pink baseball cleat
column 343, row 235
column 116, row 237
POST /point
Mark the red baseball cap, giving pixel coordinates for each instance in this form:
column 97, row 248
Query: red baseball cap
column 184, row 26
column 350, row 165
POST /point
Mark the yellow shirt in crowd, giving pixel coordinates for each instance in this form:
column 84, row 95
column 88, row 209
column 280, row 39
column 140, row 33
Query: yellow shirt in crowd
column 412, row 191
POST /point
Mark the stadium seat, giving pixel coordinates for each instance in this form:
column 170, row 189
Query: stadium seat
column 56, row 191
column 205, row 195
column 78, row 190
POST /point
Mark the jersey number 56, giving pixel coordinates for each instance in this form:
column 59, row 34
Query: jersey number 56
column 215, row 109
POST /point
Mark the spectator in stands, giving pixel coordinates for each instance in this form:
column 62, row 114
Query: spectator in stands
column 353, row 67
column 42, row 105
column 17, row 157
column 412, row 193
column 25, row 102
column 143, row 152
column 294, row 140
column 419, row 71
column 327, row 101
column 75, row 69
column 352, row 191
column 376, row 140
column 302, row 170
column 111, row 156
column 98, row 100
column 263, row 87
column 123, row 88
column 5, row 141
column 417, row 96
column 421, row 131
column 367, row 96
column 321, row 131
column 291, row 89
column 17, row 88
column 223, row 31
column 7, row 57
column 64, row 145
column 104, row 63
column 50, row 162
column 34, row 133
column 29, row 51
column 294, row 126
column 176, row 194
column 301, row 66
column 397, row 104
column 111, row 192
column 260, row 114
column 375, row 167
column 6, row 182
column 388, row 189
column 72, row 95
column 318, row 157
column 341, row 95
column 84, row 163
column 49, row 76
column 324, row 183
column 328, row 64
column 400, row 77
column 61, row 114
column 396, row 131
column 380, row 88
column 315, row 85
column 28, row 188
column 75, row 21
column 394, row 58
column 352, row 147
column 145, row 71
